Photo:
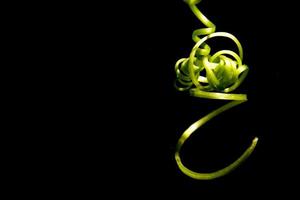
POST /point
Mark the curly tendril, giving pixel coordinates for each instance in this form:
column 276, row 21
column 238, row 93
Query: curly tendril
column 213, row 77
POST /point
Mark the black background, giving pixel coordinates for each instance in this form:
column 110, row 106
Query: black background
column 114, row 117
column 148, row 115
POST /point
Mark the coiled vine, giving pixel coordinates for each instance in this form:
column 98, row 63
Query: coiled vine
column 214, row 77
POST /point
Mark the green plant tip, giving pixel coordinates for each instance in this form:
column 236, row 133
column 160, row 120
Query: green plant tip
column 213, row 77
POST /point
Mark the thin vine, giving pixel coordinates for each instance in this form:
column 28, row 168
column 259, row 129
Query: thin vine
column 213, row 77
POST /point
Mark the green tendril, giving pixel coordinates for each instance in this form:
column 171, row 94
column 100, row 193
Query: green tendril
column 212, row 77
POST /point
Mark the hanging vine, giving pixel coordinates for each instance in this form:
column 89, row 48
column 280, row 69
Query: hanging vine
column 213, row 77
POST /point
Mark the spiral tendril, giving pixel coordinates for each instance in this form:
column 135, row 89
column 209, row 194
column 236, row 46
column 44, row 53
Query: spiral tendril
column 213, row 77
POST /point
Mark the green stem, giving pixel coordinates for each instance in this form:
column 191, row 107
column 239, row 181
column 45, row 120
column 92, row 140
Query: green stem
column 192, row 129
column 223, row 75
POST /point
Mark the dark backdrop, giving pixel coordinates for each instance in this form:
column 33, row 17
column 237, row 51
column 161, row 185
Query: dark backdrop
column 149, row 115
column 122, row 116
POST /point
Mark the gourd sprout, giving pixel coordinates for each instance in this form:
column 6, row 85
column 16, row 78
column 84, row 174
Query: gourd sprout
column 213, row 77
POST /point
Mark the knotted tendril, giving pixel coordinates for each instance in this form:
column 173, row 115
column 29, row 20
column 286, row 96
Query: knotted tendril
column 213, row 77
